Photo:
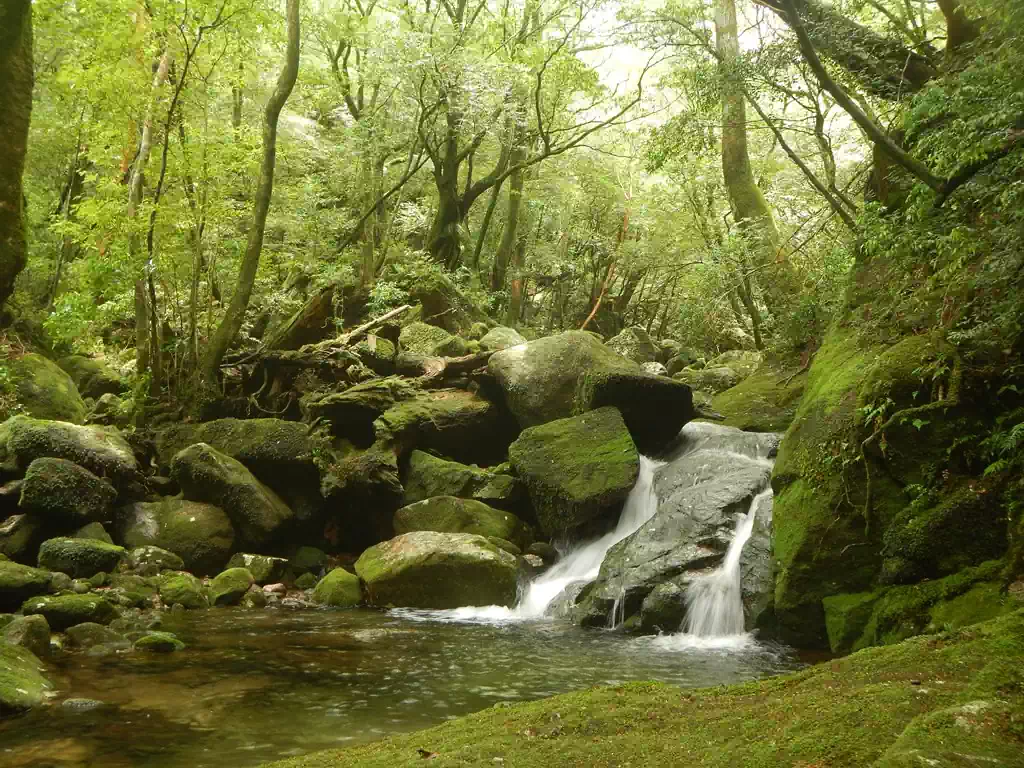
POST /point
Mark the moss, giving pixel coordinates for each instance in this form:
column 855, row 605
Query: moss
column 846, row 616
column 308, row 560
column 200, row 534
column 447, row 514
column 183, row 589
column 60, row 490
column 79, row 558
column 20, row 582
column 22, row 685
column 338, row 589
column 228, row 587
column 263, row 568
column 94, row 378
column 426, row 476
column 31, row 632
column 846, row 713
column 306, row 581
column 158, row 642
column 766, row 401
column 45, row 391
column 63, row 611
column 578, row 470
column 424, row 339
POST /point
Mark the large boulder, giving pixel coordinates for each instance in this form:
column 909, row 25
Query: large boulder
column 635, row 344
column 447, row 514
column 426, row 569
column 79, row 558
column 501, row 337
column 338, row 589
column 100, row 450
column 363, row 489
column 63, row 611
column 573, row 372
column 377, row 354
column 711, row 480
column 22, row 685
column 259, row 516
column 62, row 493
column 20, row 582
column 94, row 378
column 578, row 471
column 200, row 534
column 351, row 413
column 426, row 476
column 44, row 390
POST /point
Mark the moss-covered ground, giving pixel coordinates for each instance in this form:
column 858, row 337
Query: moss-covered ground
column 955, row 699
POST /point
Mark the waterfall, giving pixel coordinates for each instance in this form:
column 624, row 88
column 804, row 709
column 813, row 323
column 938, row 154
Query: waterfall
column 714, row 603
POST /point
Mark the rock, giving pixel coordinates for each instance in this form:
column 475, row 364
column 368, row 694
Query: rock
column 710, row 481
column 477, row 331
column 711, row 379
column 94, row 531
column 183, row 589
column 351, row 413
column 263, row 568
column 94, row 378
column 154, row 559
column 258, row 515
column 101, row 451
column 63, row 611
column 533, row 565
column 281, row 454
column 275, row 589
column 60, row 491
column 452, row 422
column 424, row 339
column 89, row 634
column 654, row 369
column 158, row 642
column 306, row 581
column 229, row 587
column 378, row 354
column 544, row 551
column 79, row 558
column 663, row 609
column 31, row 632
column 499, row 338
column 254, row 598
column 365, row 489
column 307, row 560
column 338, row 589
column 682, row 359
column 81, row 705
column 448, row 514
column 44, row 390
column 200, row 534
column 110, row 410
column 667, row 349
column 427, row 476
column 743, row 362
column 571, row 373
column 765, row 401
column 578, row 471
column 426, row 569
column 22, row 685
column 505, row 545
column 20, row 537
column 20, row 582
column 635, row 344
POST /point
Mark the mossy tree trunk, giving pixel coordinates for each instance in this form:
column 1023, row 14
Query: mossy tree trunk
column 16, row 82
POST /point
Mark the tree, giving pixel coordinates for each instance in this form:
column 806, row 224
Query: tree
column 16, row 83
column 231, row 323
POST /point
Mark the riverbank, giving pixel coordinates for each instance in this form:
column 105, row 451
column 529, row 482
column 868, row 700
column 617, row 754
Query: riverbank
column 954, row 699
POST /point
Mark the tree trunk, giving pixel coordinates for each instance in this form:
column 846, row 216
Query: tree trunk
column 960, row 30
column 232, row 321
column 443, row 241
column 16, row 82
column 509, row 236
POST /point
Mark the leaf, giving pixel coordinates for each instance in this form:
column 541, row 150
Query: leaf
column 918, row 423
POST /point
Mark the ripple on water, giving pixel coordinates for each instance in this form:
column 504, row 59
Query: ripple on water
column 255, row 686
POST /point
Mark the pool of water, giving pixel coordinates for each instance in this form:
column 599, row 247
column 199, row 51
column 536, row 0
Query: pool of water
column 255, row 686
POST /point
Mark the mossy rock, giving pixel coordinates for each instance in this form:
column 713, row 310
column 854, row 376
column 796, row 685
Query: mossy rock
column 378, row 354
column 448, row 514
column 425, row 339
column 79, row 558
column 31, row 632
column 365, row 489
column 20, row 582
column 44, row 390
column 158, row 642
column 426, row 569
column 93, row 377
column 711, row 379
column 22, row 684
column 426, row 476
column 154, row 559
column 259, row 516
column 228, row 587
column 200, row 534
column 765, row 401
column 308, row 560
column 60, row 491
column 338, row 589
column 89, row 634
column 20, row 537
column 63, row 611
column 306, row 581
column 351, row 413
column 94, row 531
column 264, row 569
column 635, row 344
column 183, row 589
column 499, row 338
column 578, row 471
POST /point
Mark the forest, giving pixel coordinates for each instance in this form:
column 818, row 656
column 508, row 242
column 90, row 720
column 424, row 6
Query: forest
column 683, row 337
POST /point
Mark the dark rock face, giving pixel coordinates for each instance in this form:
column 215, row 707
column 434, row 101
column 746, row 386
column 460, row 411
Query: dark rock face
column 712, row 477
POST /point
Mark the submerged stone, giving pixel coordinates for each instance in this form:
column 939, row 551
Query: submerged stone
column 89, row 634
column 159, row 642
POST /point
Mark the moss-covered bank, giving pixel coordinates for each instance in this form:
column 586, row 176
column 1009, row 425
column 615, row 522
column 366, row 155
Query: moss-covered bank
column 942, row 700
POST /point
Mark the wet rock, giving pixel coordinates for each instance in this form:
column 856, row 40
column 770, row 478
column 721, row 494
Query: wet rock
column 20, row 582
column 338, row 589
column 578, row 471
column 63, row 611
column 533, row 565
column 94, row 378
column 22, row 685
column 94, row 531
column 79, row 558
column 664, row 608
column 44, row 390
column 427, row 476
column 426, row 569
column 545, row 551
column 81, row 705
column 229, row 587
column 448, row 514
column 31, row 632
column 635, row 344
column 61, row 492
column 200, row 534
column 158, row 642
column 306, row 581
column 89, row 634
column 499, row 338
column 150, row 560
column 185, row 590
column 264, row 568
column 260, row 517
column 255, row 598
